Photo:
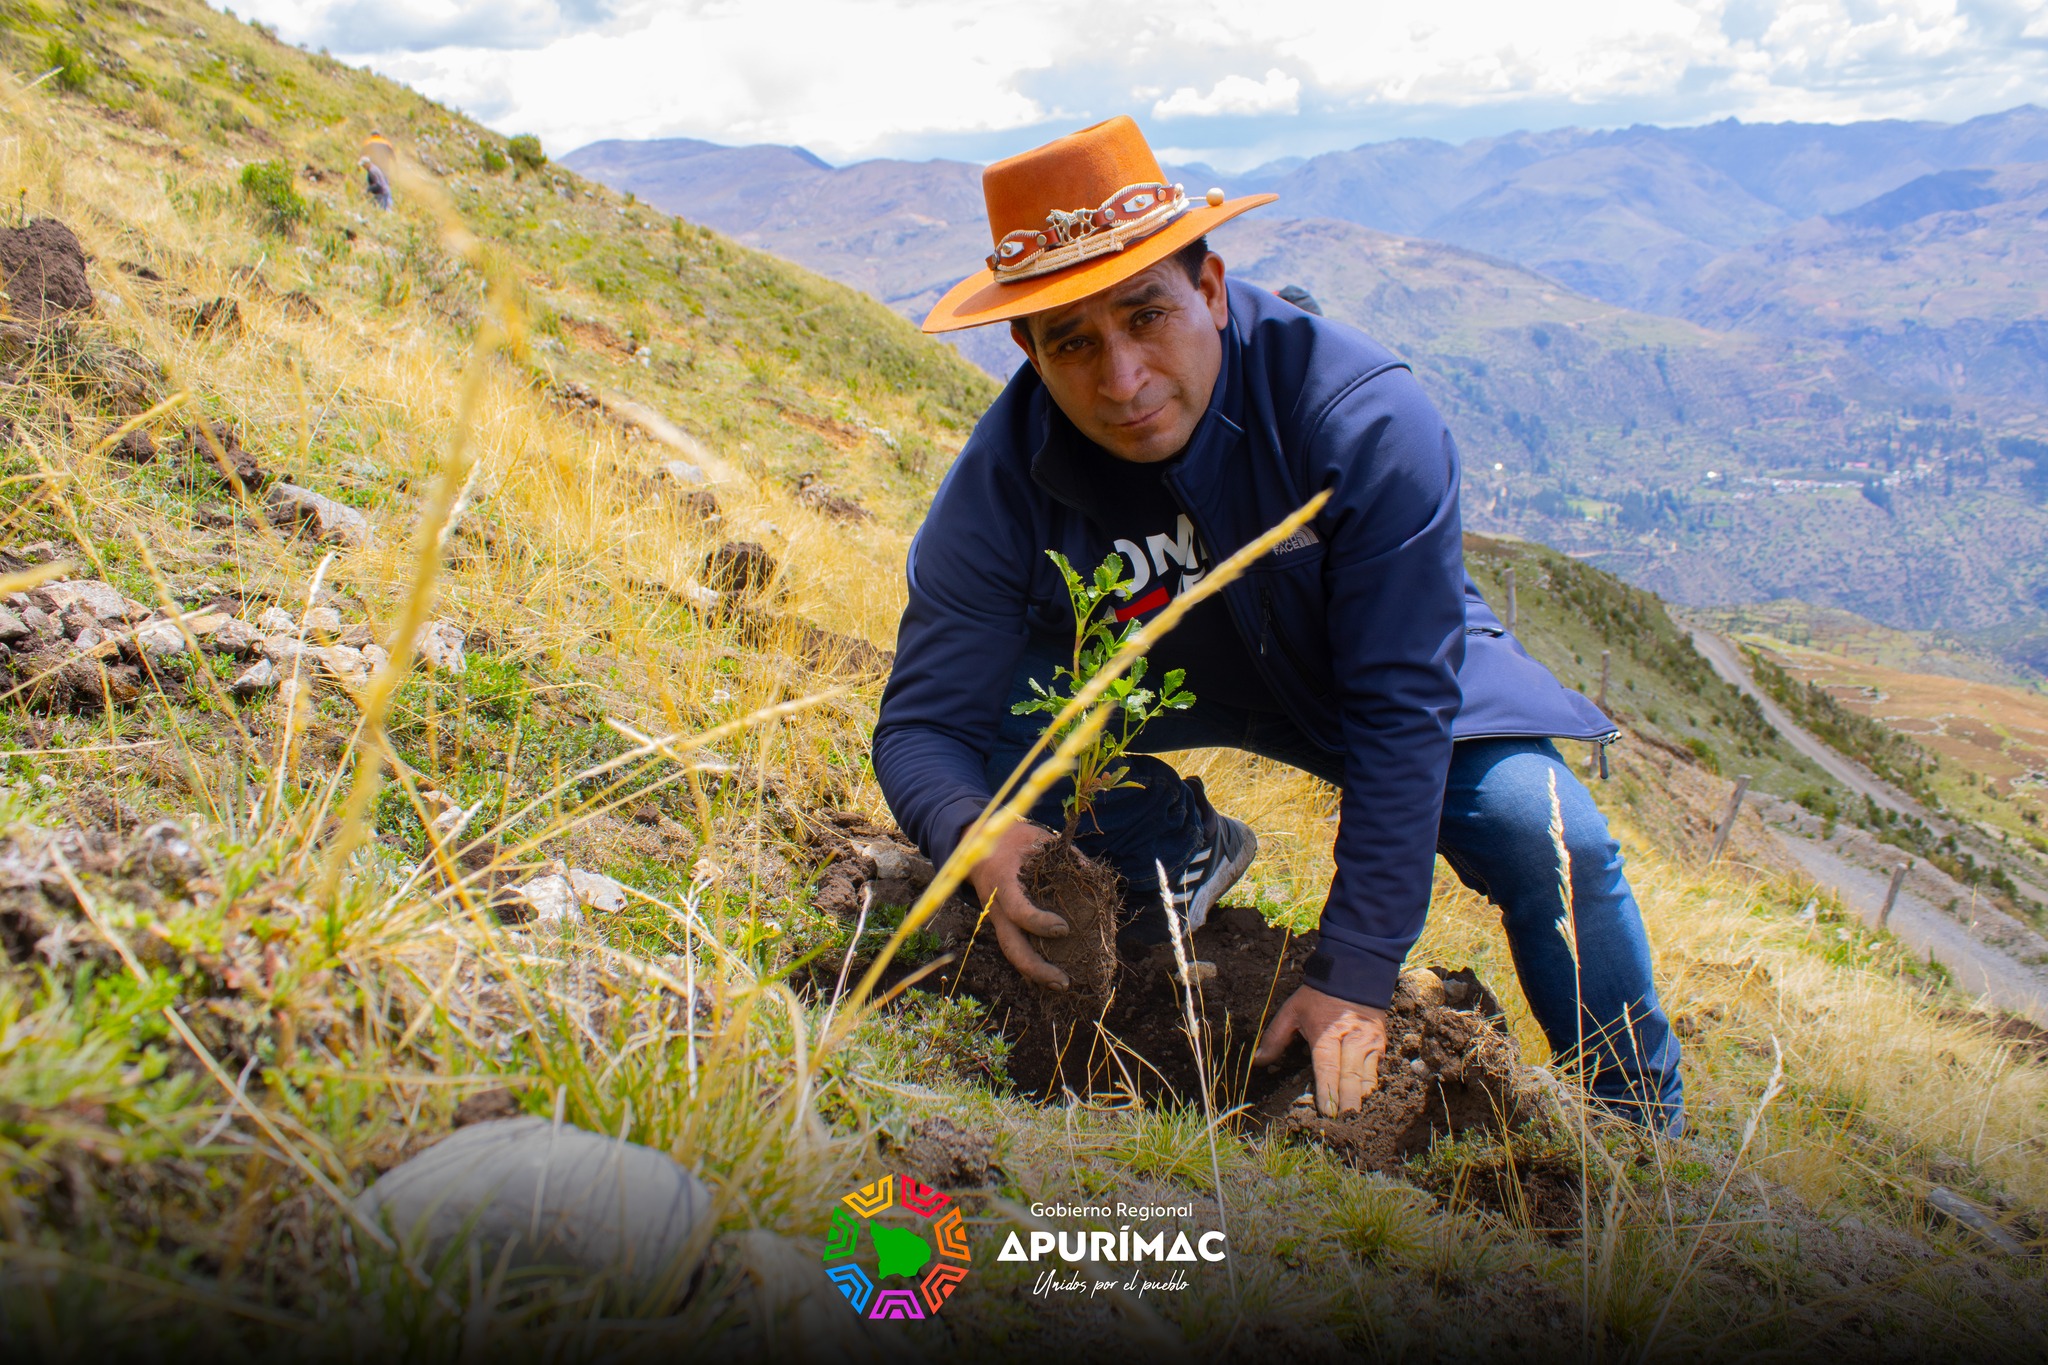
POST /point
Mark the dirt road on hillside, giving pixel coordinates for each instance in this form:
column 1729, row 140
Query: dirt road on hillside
column 1728, row 662
column 1981, row 968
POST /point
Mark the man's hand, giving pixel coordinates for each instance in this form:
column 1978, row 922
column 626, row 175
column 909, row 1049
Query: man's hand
column 1013, row 912
column 1347, row 1042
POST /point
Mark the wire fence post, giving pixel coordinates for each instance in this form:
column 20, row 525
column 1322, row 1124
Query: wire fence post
column 1728, row 820
column 1891, row 893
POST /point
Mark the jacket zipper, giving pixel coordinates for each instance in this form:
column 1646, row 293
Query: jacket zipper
column 1273, row 632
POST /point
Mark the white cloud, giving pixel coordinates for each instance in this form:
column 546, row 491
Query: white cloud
column 853, row 78
column 1279, row 93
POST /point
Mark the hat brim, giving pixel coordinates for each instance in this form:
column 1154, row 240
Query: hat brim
column 981, row 298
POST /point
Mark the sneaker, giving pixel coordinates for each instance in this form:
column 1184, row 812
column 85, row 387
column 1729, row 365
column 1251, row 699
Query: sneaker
column 1215, row 867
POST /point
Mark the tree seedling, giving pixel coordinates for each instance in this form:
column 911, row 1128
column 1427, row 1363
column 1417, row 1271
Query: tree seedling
column 1098, row 635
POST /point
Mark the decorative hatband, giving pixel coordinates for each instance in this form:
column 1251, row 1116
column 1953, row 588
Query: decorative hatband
column 1130, row 215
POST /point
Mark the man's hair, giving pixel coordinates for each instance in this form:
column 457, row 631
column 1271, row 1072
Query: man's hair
column 1189, row 258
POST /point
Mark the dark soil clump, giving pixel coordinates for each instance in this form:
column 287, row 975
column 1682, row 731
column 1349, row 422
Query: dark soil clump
column 742, row 568
column 135, row 447
column 1450, row 1065
column 44, row 269
column 229, row 442
column 1086, row 895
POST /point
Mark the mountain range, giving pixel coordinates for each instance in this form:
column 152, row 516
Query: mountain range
column 1733, row 362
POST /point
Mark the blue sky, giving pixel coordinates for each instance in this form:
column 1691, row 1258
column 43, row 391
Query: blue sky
column 1231, row 82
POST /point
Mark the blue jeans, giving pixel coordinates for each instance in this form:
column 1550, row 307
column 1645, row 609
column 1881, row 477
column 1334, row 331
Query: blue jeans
column 1494, row 834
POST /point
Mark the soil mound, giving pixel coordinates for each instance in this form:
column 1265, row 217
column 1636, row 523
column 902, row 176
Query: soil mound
column 42, row 267
column 1450, row 1065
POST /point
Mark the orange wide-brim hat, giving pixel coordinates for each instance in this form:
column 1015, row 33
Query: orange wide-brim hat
column 1074, row 217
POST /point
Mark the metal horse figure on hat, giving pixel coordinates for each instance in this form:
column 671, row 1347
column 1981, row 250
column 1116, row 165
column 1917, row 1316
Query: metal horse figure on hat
column 1170, row 415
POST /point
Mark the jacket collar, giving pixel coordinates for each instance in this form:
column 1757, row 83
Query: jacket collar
column 1066, row 461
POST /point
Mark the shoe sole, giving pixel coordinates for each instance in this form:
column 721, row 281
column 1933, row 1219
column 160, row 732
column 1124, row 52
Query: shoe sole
column 1227, row 876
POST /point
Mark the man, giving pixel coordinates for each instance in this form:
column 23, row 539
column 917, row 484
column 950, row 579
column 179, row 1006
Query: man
column 376, row 183
column 1171, row 416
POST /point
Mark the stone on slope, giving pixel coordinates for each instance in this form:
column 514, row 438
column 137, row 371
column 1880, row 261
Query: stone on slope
column 277, row 621
column 440, row 648
column 12, row 627
column 258, row 677
column 597, row 891
column 331, row 522
column 234, row 637
column 160, row 639
column 103, row 602
column 549, row 1196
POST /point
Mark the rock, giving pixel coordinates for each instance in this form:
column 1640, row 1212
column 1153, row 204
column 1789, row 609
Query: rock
column 323, row 621
column 681, row 472
column 597, row 891
column 286, row 651
column 136, row 447
column 1964, row 1214
column 357, row 635
column 208, row 446
column 700, row 503
column 160, row 639
column 1418, row 989
column 43, row 267
column 825, row 499
column 544, row 900
column 102, row 602
column 440, row 648
column 375, row 657
column 277, row 621
column 258, row 677
column 895, row 863
column 234, row 637
column 344, row 663
column 13, row 628
column 332, row 523
column 550, row 1196
column 741, row 568
column 41, row 623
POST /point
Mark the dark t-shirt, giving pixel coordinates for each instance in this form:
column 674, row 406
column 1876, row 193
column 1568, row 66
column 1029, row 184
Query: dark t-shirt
column 1163, row 555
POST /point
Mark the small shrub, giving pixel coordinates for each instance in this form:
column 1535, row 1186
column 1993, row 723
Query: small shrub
column 526, row 153
column 494, row 162
column 74, row 68
column 268, row 184
column 1704, row 752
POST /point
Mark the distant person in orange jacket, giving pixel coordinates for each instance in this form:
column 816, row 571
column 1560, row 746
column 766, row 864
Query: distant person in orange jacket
column 375, row 182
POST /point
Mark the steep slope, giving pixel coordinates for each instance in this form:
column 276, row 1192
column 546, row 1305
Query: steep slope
column 1939, row 284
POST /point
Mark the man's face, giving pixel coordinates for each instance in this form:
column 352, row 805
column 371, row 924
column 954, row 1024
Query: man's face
column 1133, row 366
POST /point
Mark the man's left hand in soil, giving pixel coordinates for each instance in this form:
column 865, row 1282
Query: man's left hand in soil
column 1347, row 1042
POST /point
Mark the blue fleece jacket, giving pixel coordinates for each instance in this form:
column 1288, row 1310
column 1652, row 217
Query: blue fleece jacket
column 1364, row 628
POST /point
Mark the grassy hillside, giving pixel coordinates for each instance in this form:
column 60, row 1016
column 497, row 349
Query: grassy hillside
column 216, row 1030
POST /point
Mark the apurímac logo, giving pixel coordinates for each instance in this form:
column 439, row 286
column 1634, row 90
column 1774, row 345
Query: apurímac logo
column 897, row 1252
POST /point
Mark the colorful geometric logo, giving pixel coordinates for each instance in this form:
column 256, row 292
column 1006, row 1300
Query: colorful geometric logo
column 930, row 1263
